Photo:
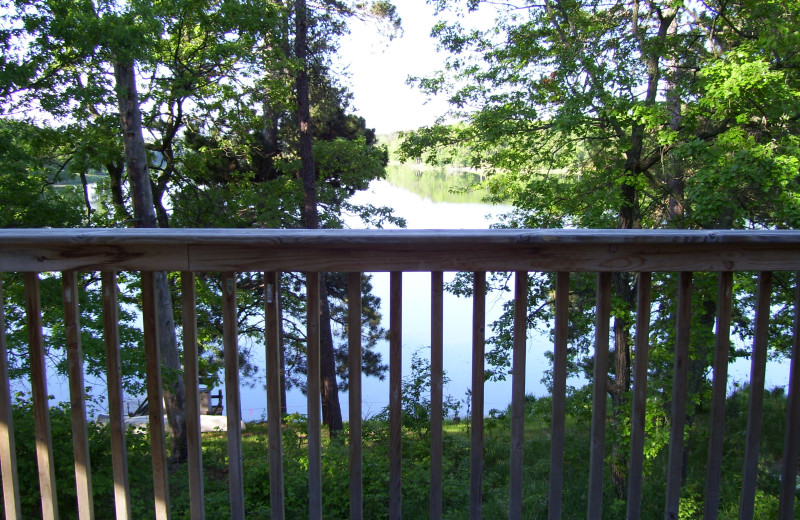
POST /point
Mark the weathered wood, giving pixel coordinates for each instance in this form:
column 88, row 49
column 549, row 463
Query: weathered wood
column 680, row 376
column 437, row 391
column 476, row 422
column 41, row 413
column 791, row 445
column 395, row 395
column 155, row 399
column 398, row 250
column 600, row 386
column 314, row 404
column 230, row 340
column 77, row 396
column 559, row 396
column 758, row 364
column 639, row 410
column 272, row 295
column 518, row 395
column 8, row 452
column 718, row 395
column 191, row 378
column 116, row 414
column 354, row 359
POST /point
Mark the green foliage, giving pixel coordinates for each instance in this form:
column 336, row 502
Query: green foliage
column 416, row 465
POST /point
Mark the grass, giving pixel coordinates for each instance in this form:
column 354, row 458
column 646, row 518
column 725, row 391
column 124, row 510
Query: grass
column 416, row 469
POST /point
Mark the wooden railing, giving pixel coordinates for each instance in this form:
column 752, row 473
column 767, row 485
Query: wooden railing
column 313, row 252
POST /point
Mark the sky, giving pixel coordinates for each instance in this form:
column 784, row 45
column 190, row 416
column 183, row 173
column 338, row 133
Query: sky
column 379, row 68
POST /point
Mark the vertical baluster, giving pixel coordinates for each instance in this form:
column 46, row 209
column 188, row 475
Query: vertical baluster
column 719, row 390
column 755, row 413
column 8, row 453
column 191, row 381
column 152, row 353
column 116, row 416
column 518, row 394
column 354, row 359
column 230, row 338
column 272, row 295
column 791, row 446
column 41, row 413
column 77, row 396
column 639, row 410
column 314, row 406
column 395, row 395
column 599, row 396
column 476, row 423
column 559, row 396
column 679, row 394
column 437, row 390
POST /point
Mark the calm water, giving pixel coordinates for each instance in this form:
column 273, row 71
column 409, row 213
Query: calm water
column 423, row 199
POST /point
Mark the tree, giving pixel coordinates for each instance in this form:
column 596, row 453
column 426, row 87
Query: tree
column 628, row 115
column 207, row 69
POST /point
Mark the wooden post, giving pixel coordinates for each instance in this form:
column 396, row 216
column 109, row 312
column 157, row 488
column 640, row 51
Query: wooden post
column 559, row 396
column 314, row 405
column 639, row 410
column 600, row 386
column 680, row 378
column 8, row 451
column 476, row 424
column 116, row 416
column 518, row 394
column 791, row 446
column 77, row 396
column 272, row 295
column 232, row 401
column 191, row 381
column 718, row 395
column 395, row 395
column 437, row 390
column 755, row 413
column 158, row 445
column 354, row 358
column 41, row 412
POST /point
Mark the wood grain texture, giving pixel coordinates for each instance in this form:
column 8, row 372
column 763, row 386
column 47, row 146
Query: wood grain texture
column 718, row 396
column 476, row 421
column 77, row 396
column 8, row 452
column 639, row 411
column 313, row 306
column 791, row 446
column 155, row 399
column 230, row 340
column 560, row 345
column 395, row 395
column 437, row 391
column 191, row 381
column 518, row 395
column 755, row 413
column 597, row 455
column 354, row 394
column 272, row 294
column 41, row 412
column 116, row 414
column 680, row 377
column 398, row 250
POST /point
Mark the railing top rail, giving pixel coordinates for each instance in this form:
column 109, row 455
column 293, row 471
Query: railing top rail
column 397, row 250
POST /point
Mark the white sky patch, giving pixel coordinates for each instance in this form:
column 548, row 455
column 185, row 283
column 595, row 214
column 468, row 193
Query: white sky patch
column 379, row 68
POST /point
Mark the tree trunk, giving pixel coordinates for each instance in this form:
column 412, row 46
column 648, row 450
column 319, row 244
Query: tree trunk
column 145, row 217
column 331, row 409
